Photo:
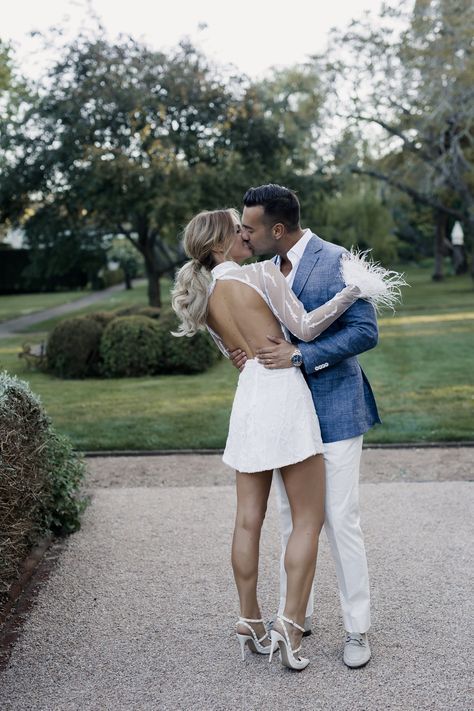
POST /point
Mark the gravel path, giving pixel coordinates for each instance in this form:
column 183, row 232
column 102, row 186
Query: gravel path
column 17, row 325
column 139, row 611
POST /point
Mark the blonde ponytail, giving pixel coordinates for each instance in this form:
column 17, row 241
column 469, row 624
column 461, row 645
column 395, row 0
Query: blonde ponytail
column 189, row 297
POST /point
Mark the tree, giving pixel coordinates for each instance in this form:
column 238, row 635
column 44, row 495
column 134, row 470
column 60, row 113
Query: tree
column 411, row 76
column 355, row 214
column 129, row 141
column 13, row 93
column 110, row 147
column 128, row 260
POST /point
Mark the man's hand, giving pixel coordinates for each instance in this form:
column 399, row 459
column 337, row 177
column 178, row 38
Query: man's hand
column 278, row 355
column 238, row 358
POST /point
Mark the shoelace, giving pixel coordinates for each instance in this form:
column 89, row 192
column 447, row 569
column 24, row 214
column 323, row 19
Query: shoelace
column 355, row 638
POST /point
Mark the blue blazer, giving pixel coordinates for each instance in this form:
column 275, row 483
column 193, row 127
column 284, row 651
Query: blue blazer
column 342, row 395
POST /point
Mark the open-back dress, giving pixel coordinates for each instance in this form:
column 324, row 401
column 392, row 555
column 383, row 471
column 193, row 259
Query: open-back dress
column 273, row 422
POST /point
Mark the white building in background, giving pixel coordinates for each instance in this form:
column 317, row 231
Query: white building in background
column 15, row 238
column 457, row 234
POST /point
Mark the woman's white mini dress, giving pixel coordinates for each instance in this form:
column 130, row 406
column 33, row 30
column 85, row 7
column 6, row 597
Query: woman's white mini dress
column 273, row 421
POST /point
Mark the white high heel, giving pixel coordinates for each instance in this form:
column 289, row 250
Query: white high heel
column 253, row 641
column 287, row 654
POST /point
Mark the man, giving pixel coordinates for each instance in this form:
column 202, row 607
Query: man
column 341, row 394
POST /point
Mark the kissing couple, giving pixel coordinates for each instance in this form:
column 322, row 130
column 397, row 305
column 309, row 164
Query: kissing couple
column 293, row 325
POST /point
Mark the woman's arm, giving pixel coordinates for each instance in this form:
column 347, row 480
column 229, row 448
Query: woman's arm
column 306, row 326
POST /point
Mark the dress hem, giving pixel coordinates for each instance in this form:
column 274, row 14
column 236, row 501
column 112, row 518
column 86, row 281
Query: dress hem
column 274, row 466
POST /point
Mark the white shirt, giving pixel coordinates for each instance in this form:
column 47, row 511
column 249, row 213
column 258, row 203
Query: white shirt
column 295, row 254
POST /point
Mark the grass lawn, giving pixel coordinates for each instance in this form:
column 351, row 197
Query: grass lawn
column 16, row 305
column 421, row 373
column 118, row 299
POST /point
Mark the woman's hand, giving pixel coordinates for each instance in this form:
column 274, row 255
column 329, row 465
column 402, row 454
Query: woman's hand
column 278, row 355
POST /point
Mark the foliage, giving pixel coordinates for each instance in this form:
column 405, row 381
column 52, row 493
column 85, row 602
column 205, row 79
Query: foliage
column 108, row 147
column 409, row 75
column 138, row 310
column 149, row 311
column 40, row 481
column 356, row 214
column 73, row 347
column 130, row 346
column 20, row 273
column 61, row 513
column 359, row 219
column 128, row 259
column 128, row 141
column 184, row 355
column 101, row 317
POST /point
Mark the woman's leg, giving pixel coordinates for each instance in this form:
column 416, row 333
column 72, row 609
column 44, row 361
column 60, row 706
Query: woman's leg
column 305, row 488
column 252, row 497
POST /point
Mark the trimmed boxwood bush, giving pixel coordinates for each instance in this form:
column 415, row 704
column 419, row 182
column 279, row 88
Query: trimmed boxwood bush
column 184, row 355
column 150, row 311
column 73, row 347
column 39, row 482
column 101, row 317
column 131, row 346
column 138, row 310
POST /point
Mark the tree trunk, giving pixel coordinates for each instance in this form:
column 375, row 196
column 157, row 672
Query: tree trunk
column 153, row 276
column 440, row 235
column 128, row 280
column 468, row 226
column 459, row 258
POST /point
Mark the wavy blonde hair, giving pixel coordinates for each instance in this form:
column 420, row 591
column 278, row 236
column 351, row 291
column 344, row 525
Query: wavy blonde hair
column 189, row 296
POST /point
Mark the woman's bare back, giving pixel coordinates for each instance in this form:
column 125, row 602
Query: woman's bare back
column 240, row 316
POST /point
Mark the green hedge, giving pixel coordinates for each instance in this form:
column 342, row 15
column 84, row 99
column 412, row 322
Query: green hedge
column 184, row 355
column 73, row 347
column 130, row 346
column 133, row 341
column 40, row 479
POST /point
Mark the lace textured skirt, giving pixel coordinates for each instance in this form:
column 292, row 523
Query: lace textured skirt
column 273, row 421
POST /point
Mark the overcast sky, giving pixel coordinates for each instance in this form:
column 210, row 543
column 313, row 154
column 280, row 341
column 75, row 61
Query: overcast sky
column 251, row 34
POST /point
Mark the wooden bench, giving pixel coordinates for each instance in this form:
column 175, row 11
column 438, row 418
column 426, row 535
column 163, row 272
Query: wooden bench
column 35, row 356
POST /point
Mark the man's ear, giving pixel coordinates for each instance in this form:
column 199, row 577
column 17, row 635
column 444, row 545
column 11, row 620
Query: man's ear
column 278, row 230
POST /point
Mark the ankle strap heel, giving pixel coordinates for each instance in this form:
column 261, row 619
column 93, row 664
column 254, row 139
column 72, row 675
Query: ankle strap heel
column 254, row 642
column 287, row 654
column 292, row 622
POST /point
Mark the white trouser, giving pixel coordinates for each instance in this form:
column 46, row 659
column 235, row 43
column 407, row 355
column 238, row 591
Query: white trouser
column 342, row 526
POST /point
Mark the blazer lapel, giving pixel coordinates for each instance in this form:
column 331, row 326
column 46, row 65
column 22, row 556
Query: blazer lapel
column 307, row 263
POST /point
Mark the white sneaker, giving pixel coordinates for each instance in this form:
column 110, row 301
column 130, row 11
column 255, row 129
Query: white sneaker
column 356, row 649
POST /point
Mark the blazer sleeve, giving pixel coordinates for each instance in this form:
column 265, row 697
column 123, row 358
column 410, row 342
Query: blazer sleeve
column 357, row 332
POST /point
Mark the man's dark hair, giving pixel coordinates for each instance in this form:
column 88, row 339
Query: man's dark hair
column 279, row 204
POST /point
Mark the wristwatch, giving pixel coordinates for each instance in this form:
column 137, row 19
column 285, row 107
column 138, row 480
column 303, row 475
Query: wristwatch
column 297, row 358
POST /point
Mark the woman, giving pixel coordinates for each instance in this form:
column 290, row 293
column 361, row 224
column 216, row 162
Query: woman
column 273, row 423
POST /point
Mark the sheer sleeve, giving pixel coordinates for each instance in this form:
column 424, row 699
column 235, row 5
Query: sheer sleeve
column 290, row 311
column 218, row 341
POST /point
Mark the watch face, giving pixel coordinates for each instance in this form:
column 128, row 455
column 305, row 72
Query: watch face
column 297, row 359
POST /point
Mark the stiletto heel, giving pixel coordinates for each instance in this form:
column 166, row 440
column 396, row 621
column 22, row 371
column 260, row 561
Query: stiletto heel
column 274, row 636
column 287, row 655
column 242, row 640
column 254, row 643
